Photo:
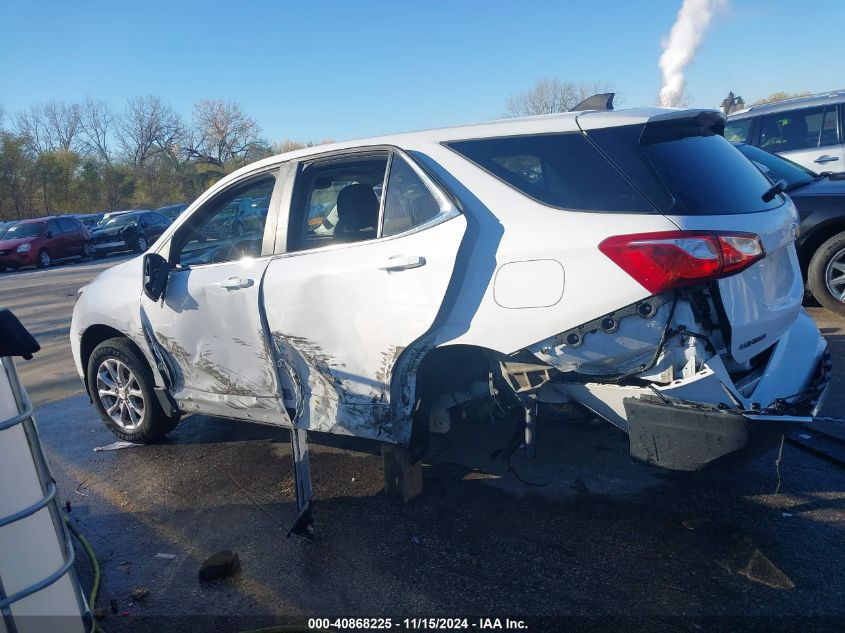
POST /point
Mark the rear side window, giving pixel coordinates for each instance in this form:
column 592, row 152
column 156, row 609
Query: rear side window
column 799, row 129
column 408, row 202
column 560, row 170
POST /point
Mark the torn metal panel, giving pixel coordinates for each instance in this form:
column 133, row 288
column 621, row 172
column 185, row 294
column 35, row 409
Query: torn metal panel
column 343, row 323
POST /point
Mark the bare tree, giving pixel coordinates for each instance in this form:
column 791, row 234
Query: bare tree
column 289, row 145
column 149, row 127
column 222, row 132
column 97, row 125
column 50, row 126
column 550, row 95
column 2, row 117
column 780, row 96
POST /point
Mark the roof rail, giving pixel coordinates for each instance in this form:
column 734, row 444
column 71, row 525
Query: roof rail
column 602, row 101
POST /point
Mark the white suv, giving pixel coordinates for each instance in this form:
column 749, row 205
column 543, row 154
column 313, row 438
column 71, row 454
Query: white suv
column 809, row 131
column 632, row 262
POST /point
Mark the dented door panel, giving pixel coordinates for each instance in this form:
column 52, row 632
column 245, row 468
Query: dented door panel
column 213, row 338
column 342, row 321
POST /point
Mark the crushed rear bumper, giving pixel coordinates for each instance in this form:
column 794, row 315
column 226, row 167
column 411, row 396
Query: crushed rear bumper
column 681, row 435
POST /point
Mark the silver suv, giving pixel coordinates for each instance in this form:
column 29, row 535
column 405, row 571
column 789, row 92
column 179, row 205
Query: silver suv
column 808, row 130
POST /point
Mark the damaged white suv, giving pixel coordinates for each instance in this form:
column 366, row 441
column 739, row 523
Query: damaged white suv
column 633, row 262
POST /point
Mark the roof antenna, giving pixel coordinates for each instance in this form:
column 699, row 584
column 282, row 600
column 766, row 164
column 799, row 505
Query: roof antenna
column 603, row 101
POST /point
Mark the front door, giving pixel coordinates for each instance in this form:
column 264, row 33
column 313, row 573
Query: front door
column 367, row 267
column 208, row 328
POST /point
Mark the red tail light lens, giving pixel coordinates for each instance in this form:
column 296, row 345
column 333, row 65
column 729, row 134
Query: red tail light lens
column 673, row 259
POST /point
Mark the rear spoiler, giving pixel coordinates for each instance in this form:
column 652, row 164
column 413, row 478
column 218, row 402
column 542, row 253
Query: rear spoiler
column 678, row 125
column 602, row 101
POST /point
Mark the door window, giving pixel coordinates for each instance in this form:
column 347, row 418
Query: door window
column 227, row 228
column 737, row 131
column 336, row 202
column 54, row 228
column 799, row 129
column 408, row 202
column 67, row 225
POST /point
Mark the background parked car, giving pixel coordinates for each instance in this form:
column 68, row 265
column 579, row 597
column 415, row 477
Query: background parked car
column 809, row 130
column 129, row 231
column 820, row 200
column 89, row 220
column 171, row 211
column 41, row 241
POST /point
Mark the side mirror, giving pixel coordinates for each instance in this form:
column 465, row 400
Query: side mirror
column 48, row 234
column 156, row 272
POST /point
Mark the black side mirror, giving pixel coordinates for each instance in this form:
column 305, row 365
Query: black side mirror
column 48, row 234
column 156, row 272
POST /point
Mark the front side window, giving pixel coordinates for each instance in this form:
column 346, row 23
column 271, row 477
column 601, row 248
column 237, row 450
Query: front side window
column 227, row 228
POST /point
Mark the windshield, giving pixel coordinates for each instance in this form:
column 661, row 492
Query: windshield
column 23, row 230
column 120, row 220
column 778, row 168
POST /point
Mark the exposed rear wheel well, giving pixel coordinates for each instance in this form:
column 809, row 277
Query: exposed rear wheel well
column 453, row 368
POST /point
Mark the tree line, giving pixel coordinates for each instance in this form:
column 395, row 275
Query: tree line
column 59, row 157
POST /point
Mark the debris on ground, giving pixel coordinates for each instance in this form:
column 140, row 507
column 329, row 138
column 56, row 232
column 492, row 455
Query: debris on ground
column 761, row 569
column 140, row 594
column 115, row 446
column 220, row 565
column 165, row 556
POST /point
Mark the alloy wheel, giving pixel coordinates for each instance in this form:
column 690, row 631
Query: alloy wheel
column 44, row 259
column 834, row 276
column 120, row 394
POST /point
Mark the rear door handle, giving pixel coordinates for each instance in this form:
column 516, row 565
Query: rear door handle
column 235, row 283
column 826, row 159
column 403, row 262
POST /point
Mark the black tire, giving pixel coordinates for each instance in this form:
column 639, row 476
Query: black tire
column 832, row 249
column 153, row 423
column 87, row 250
column 140, row 244
column 44, row 259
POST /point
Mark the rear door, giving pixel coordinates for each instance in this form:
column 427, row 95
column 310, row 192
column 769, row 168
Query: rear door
column 346, row 304
column 809, row 137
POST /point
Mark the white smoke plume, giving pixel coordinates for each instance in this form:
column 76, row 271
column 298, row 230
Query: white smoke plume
column 680, row 47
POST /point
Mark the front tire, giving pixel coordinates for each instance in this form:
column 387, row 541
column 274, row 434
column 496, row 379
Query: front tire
column 87, row 251
column 44, row 259
column 122, row 388
column 140, row 244
column 826, row 274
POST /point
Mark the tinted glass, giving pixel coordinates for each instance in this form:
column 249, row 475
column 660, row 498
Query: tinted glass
column 737, row 131
column 787, row 131
column 67, row 225
column 408, row 202
column 337, row 202
column 777, row 168
column 53, row 227
column 230, row 227
column 691, row 171
column 829, row 132
column 561, row 170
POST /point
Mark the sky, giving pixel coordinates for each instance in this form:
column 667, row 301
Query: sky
column 316, row 69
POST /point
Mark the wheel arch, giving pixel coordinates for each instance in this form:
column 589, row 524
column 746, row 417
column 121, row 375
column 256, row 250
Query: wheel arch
column 93, row 336
column 813, row 241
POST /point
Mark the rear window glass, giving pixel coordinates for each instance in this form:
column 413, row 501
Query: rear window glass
column 561, row 170
column 687, row 175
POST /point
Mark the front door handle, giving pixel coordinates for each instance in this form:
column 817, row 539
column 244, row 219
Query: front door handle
column 235, row 283
column 403, row 262
column 826, row 159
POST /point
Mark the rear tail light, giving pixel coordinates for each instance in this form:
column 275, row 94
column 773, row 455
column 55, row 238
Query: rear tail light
column 673, row 259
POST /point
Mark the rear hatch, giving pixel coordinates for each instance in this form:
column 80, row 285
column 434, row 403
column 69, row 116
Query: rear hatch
column 681, row 162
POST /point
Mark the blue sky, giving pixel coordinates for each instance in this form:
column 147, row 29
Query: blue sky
column 315, row 69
